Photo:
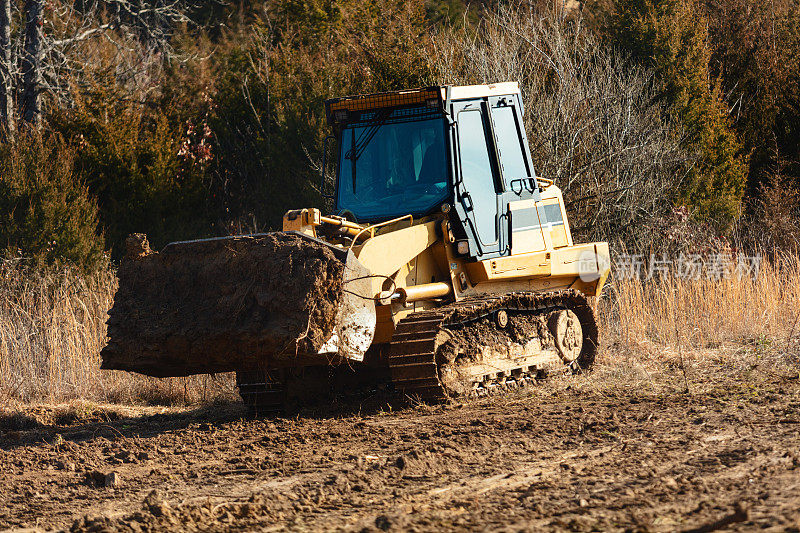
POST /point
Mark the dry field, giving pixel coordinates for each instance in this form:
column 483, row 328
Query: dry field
column 52, row 327
column 690, row 421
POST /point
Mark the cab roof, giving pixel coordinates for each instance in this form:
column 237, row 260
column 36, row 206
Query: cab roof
column 337, row 109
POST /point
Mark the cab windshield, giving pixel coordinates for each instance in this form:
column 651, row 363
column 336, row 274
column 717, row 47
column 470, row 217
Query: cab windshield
column 392, row 166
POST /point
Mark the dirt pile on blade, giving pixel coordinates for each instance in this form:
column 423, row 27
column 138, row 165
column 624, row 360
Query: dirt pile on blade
column 222, row 304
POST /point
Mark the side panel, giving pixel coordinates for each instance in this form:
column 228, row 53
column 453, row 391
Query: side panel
column 551, row 209
column 526, row 227
column 584, row 267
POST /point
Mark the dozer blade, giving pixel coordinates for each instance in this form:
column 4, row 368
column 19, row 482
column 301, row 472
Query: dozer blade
column 232, row 303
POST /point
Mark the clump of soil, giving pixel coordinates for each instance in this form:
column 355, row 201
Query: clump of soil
column 219, row 305
column 465, row 345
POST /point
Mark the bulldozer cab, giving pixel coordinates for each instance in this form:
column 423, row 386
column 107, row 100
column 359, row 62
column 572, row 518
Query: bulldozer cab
column 410, row 152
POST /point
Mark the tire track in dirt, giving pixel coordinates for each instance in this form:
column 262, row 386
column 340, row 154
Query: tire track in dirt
column 564, row 459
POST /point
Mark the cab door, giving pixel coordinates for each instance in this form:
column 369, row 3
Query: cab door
column 520, row 197
column 477, row 187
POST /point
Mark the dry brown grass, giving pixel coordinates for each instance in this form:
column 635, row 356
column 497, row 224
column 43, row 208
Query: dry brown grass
column 691, row 335
column 52, row 327
column 705, row 312
column 658, row 333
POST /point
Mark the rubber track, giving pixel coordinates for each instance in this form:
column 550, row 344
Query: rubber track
column 412, row 354
column 263, row 395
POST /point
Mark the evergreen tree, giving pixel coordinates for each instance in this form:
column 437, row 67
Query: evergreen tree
column 45, row 212
column 671, row 37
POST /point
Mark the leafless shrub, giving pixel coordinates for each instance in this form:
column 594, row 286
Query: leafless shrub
column 775, row 222
column 681, row 233
column 592, row 119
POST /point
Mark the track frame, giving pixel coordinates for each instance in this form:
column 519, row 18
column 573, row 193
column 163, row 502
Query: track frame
column 418, row 373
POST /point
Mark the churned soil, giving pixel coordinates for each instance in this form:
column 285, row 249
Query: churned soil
column 625, row 448
column 219, row 305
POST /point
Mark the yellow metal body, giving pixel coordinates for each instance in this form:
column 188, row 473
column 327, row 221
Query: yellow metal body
column 417, row 266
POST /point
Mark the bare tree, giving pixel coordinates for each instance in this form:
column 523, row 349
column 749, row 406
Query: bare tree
column 31, row 63
column 6, row 71
column 50, row 54
column 593, row 122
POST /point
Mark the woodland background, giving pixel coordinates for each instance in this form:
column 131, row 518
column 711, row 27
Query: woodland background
column 185, row 119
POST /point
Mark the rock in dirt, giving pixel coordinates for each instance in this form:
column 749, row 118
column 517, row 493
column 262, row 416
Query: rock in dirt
column 156, row 504
column 670, row 483
column 68, row 466
column 218, row 305
column 112, row 480
column 383, row 523
column 125, row 456
column 95, row 478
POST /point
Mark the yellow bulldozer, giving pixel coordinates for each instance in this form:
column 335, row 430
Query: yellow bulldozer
column 447, row 266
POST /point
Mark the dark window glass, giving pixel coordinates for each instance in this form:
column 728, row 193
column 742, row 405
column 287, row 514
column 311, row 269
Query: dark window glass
column 401, row 168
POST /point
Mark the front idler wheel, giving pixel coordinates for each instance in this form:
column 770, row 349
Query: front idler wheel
column 567, row 335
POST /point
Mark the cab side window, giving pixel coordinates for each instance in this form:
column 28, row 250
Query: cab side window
column 479, row 194
column 509, row 146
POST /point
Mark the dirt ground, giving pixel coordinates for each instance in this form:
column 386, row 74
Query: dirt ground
column 624, row 448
